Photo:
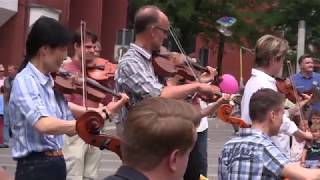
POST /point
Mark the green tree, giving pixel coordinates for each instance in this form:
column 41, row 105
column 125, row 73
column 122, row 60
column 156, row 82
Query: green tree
column 277, row 17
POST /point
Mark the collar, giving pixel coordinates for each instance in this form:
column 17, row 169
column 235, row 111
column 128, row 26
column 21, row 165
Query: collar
column 130, row 173
column 251, row 131
column 259, row 73
column 142, row 51
column 305, row 77
column 43, row 79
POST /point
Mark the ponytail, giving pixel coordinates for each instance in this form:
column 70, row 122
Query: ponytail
column 24, row 63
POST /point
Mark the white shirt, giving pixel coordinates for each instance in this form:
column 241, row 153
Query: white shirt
column 259, row 80
column 296, row 150
column 282, row 140
column 204, row 121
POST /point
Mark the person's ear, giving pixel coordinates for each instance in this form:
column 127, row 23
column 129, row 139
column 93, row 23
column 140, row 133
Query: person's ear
column 43, row 51
column 76, row 45
column 152, row 31
column 271, row 116
column 173, row 158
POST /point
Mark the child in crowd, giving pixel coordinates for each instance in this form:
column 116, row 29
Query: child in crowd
column 311, row 153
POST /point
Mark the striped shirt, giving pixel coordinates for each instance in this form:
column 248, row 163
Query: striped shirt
column 32, row 97
column 252, row 155
column 135, row 76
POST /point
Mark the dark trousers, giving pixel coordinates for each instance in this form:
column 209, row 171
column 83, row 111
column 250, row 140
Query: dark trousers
column 38, row 166
column 198, row 159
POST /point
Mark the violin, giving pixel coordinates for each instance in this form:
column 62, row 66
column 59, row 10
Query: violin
column 101, row 69
column 285, row 87
column 224, row 113
column 170, row 64
column 69, row 83
column 88, row 127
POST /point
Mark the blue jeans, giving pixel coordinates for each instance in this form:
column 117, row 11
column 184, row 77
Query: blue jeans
column 198, row 159
column 38, row 166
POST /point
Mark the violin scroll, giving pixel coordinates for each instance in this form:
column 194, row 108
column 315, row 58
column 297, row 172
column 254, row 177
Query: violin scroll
column 224, row 113
column 88, row 127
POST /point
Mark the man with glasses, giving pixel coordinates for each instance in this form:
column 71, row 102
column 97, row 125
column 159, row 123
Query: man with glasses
column 136, row 75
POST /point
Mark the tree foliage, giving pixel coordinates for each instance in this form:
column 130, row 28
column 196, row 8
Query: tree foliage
column 277, row 17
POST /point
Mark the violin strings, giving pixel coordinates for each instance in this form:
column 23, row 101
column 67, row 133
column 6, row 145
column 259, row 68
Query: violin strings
column 175, row 38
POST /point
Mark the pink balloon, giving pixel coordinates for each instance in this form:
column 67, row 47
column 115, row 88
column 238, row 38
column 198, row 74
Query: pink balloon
column 229, row 84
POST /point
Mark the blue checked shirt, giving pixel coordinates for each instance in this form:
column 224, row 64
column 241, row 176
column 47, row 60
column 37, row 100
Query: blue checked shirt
column 32, row 97
column 252, row 155
column 135, row 76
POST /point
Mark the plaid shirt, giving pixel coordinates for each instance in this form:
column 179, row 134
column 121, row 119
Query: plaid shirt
column 252, row 155
column 135, row 76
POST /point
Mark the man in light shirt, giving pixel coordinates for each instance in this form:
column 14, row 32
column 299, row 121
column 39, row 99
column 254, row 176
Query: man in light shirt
column 270, row 53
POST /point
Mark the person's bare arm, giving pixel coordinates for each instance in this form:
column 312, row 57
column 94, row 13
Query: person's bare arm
column 301, row 135
column 182, row 91
column 111, row 108
column 78, row 110
column 214, row 106
column 54, row 126
column 303, row 156
column 295, row 110
column 296, row 171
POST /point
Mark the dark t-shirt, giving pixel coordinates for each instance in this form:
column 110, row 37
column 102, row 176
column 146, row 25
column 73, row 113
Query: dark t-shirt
column 127, row 173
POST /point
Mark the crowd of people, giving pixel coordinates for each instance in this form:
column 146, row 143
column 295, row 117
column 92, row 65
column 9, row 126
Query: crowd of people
column 162, row 125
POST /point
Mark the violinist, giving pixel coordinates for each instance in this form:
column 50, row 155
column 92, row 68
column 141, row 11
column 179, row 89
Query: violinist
column 306, row 79
column 40, row 115
column 136, row 75
column 270, row 52
column 82, row 159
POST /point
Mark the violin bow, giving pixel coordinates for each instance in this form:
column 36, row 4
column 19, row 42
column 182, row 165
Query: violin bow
column 294, row 88
column 176, row 40
column 83, row 25
column 241, row 63
column 241, row 75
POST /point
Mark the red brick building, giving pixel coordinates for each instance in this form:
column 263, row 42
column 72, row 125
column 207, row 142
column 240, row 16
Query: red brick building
column 103, row 17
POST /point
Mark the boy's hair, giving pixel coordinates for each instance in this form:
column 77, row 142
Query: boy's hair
column 262, row 102
column 154, row 128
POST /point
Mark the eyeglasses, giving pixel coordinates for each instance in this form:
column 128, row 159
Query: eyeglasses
column 165, row 31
